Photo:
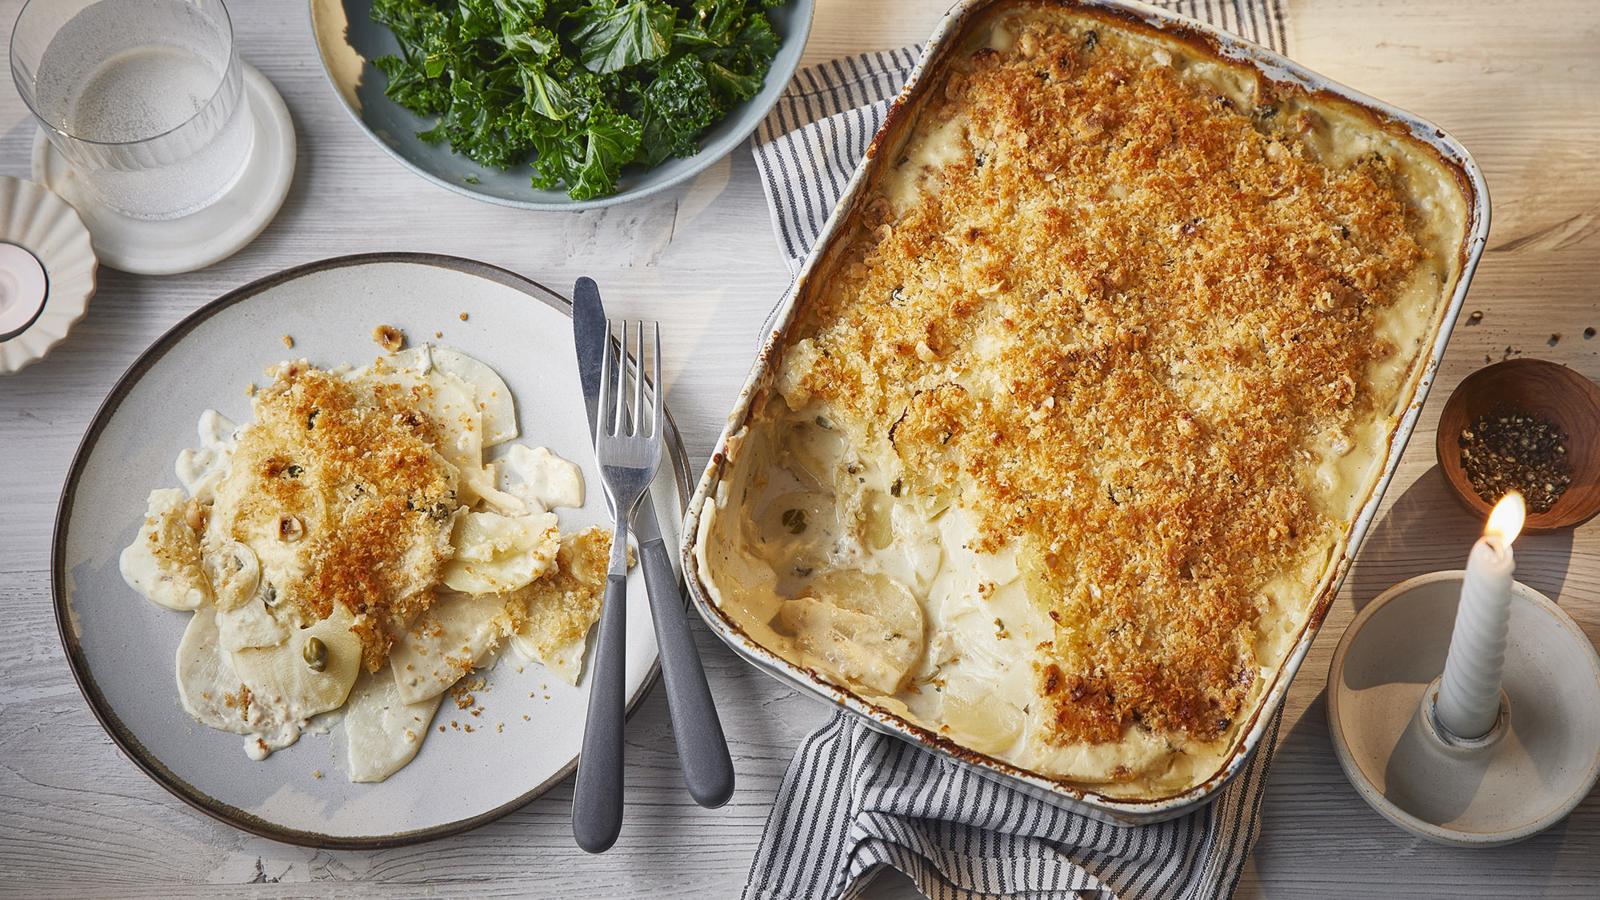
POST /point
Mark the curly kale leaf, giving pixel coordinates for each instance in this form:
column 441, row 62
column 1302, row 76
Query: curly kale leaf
column 589, row 156
column 615, row 35
column 677, row 106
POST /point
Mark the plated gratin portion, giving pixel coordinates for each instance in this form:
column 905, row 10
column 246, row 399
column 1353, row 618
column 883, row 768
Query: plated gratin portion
column 350, row 554
column 1056, row 454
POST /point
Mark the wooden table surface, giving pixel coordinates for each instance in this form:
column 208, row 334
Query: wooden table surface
column 1516, row 81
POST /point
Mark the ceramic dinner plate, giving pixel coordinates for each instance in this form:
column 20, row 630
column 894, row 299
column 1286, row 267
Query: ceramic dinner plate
column 121, row 646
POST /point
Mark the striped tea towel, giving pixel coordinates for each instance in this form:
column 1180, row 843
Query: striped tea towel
column 854, row 799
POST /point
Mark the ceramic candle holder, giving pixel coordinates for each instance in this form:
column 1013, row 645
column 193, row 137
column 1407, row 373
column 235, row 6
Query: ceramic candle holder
column 1537, row 762
column 23, row 289
column 47, row 272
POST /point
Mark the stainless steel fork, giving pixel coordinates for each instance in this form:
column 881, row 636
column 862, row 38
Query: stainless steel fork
column 628, row 455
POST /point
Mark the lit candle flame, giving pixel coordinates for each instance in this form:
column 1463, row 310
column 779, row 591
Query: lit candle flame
column 1505, row 520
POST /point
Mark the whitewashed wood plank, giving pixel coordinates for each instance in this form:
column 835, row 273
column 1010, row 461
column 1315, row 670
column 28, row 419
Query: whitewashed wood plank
column 78, row 820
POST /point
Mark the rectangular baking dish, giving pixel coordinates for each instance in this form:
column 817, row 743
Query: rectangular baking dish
column 1274, row 67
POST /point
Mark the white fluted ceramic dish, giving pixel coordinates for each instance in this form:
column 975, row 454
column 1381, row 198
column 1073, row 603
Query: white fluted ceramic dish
column 42, row 223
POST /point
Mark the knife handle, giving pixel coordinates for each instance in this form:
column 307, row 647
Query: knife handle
column 597, row 796
column 702, row 749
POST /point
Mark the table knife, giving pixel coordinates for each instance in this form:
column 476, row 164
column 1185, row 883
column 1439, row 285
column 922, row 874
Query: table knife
column 702, row 749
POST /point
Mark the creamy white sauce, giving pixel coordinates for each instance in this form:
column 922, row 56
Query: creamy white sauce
column 200, row 470
column 545, row 480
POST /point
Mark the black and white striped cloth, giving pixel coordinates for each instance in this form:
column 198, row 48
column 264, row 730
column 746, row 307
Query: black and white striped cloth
column 854, row 799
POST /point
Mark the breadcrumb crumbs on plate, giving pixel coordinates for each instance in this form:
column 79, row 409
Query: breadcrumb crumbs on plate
column 307, row 455
column 463, row 315
column 438, row 334
column 317, row 774
column 288, row 341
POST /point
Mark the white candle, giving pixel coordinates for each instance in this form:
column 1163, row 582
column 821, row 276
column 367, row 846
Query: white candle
column 1469, row 692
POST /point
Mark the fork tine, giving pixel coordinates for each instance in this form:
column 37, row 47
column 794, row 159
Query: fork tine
column 602, row 401
column 620, row 397
column 658, row 393
column 638, row 379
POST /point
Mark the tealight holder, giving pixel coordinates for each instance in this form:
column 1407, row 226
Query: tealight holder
column 1541, row 753
column 47, row 272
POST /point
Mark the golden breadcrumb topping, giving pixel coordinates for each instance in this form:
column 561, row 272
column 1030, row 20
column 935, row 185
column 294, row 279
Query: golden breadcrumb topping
column 560, row 607
column 347, row 492
column 174, row 540
column 1114, row 317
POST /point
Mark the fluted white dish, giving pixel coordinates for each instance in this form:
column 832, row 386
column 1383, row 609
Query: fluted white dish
column 34, row 218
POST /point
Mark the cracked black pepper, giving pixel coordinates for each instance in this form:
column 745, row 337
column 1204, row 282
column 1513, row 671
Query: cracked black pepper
column 1511, row 451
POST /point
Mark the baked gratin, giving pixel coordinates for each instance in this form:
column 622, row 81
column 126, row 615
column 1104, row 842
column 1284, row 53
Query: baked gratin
column 350, row 554
column 1081, row 400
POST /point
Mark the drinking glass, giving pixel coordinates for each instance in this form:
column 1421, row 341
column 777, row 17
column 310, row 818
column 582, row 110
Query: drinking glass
column 145, row 98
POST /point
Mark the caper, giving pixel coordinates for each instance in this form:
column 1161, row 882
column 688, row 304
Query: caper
column 315, row 653
column 794, row 520
column 290, row 528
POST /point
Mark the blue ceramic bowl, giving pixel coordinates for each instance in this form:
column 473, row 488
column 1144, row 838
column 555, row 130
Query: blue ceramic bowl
column 348, row 39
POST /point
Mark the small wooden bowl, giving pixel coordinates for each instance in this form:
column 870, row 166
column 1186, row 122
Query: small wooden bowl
column 1544, row 390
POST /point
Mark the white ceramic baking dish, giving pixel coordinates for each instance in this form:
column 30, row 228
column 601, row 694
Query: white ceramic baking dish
column 1083, row 798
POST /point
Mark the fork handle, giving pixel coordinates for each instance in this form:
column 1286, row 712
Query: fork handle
column 597, row 797
column 702, row 749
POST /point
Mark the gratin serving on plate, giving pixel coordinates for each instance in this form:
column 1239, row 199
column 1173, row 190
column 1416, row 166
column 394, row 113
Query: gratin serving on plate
column 350, row 550
column 504, row 736
column 1086, row 393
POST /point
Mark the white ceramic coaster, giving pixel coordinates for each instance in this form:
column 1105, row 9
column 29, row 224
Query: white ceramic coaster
column 1527, row 774
column 44, row 252
column 165, row 247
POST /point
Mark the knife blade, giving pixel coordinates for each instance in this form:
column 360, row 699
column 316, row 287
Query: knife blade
column 696, row 728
